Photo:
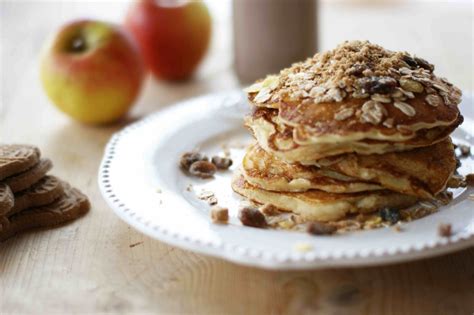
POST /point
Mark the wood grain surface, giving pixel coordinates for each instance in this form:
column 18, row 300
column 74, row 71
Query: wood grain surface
column 98, row 264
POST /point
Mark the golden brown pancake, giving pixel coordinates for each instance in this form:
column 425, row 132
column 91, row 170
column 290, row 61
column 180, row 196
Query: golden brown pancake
column 421, row 172
column 265, row 171
column 322, row 206
column 358, row 98
column 316, row 123
column 280, row 140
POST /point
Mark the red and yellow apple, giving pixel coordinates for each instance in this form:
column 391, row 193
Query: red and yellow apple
column 173, row 35
column 92, row 71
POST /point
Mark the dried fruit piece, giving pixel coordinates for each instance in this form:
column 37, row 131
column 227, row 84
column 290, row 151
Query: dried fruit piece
column 252, row 217
column 405, row 108
column 380, row 85
column 410, row 61
column 203, row 169
column 470, row 179
column 465, row 150
column 445, row 230
column 411, row 85
column 320, row 228
column 391, row 215
column 424, row 64
column 434, row 100
column 269, row 209
column 189, row 158
column 221, row 163
column 219, row 214
column 356, row 69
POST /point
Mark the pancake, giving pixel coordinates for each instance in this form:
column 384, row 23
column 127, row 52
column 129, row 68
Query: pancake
column 265, row 171
column 360, row 94
column 316, row 205
column 281, row 140
column 317, row 123
column 422, row 172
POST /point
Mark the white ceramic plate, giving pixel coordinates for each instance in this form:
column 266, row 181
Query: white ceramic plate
column 140, row 180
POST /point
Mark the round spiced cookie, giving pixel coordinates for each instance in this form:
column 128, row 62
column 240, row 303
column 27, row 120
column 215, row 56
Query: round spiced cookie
column 71, row 205
column 29, row 177
column 44, row 192
column 16, row 158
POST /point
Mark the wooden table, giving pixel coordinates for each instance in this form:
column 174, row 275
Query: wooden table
column 98, row 264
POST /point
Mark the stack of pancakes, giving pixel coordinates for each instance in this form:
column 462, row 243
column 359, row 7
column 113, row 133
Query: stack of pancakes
column 352, row 130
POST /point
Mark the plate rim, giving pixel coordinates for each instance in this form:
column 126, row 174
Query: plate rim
column 248, row 256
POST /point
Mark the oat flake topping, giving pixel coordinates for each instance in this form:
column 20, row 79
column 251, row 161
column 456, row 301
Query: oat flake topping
column 358, row 69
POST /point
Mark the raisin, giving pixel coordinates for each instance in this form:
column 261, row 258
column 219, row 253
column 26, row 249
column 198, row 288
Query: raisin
column 252, row 217
column 391, row 215
column 410, row 61
column 424, row 64
column 356, row 69
column 221, row 163
column 379, row 85
column 465, row 150
column 319, row 228
column 202, row 169
column 189, row 158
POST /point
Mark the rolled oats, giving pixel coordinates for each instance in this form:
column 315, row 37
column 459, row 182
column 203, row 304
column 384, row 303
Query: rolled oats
column 344, row 113
column 263, row 95
column 359, row 69
column 381, row 98
column 405, row 108
column 434, row 100
column 372, row 112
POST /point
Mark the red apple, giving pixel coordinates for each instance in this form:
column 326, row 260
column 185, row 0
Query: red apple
column 92, row 71
column 173, row 35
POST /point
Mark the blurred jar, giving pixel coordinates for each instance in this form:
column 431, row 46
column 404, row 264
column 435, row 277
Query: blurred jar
column 270, row 35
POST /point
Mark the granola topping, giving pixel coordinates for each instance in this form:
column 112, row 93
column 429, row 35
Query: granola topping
column 356, row 69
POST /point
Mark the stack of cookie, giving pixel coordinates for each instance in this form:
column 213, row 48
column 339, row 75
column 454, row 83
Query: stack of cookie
column 29, row 198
